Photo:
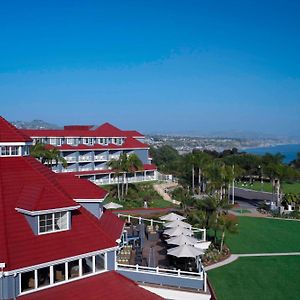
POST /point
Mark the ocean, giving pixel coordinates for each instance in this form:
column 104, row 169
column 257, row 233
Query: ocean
column 289, row 151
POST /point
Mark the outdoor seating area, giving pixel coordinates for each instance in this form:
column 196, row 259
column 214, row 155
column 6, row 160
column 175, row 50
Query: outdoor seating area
column 169, row 243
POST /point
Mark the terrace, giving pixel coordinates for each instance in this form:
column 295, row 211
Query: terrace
column 143, row 257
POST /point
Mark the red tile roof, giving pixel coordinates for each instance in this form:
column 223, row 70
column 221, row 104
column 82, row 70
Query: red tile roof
column 106, row 286
column 80, row 188
column 108, row 130
column 133, row 133
column 9, row 133
column 19, row 246
column 111, row 224
column 104, row 130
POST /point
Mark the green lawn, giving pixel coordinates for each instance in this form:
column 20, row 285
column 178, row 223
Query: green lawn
column 267, row 187
column 267, row 278
column 259, row 235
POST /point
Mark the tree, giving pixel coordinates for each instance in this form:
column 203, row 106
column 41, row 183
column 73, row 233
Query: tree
column 47, row 155
column 115, row 165
column 132, row 164
column 227, row 223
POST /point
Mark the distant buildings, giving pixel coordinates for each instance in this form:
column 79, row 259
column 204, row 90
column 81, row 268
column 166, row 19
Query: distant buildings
column 87, row 151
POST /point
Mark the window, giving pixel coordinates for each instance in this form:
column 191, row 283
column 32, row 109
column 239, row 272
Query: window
column 100, row 262
column 59, row 272
column 60, row 220
column 27, row 281
column 53, row 222
column 46, row 223
column 5, row 150
column 87, row 265
column 52, row 141
column 43, row 276
column 65, row 271
column 14, row 150
column 73, row 269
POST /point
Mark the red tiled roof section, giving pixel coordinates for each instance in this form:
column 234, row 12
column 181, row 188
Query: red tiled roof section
column 105, row 286
column 9, row 133
column 78, row 127
column 108, row 130
column 81, row 188
column 36, row 197
column 133, row 133
column 111, row 224
column 23, row 247
column 130, row 142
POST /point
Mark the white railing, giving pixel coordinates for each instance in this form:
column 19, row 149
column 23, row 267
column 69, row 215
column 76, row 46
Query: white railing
column 100, row 157
column 70, row 159
column 113, row 157
column 85, row 158
column 161, row 271
column 132, row 179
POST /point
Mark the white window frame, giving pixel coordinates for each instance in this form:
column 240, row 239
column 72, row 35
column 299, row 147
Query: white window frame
column 53, row 223
column 67, row 279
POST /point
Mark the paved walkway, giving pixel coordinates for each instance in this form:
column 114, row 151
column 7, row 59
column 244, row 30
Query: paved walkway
column 234, row 257
column 161, row 189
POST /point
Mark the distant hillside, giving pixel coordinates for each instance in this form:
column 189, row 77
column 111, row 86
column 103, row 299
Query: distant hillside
column 35, row 124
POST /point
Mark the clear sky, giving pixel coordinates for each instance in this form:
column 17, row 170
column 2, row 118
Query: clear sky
column 169, row 66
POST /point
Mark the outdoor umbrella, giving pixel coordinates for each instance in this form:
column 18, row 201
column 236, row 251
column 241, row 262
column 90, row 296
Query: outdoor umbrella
column 185, row 251
column 178, row 223
column 202, row 245
column 182, row 240
column 178, row 231
column 112, row 205
column 172, row 217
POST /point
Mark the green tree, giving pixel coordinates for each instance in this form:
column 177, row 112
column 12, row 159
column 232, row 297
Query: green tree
column 227, row 223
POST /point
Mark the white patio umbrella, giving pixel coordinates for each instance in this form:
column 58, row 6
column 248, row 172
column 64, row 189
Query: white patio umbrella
column 112, row 205
column 178, row 223
column 185, row 251
column 172, row 217
column 202, row 245
column 175, row 231
column 182, row 240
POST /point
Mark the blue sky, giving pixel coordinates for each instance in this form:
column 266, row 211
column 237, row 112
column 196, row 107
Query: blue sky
column 167, row 66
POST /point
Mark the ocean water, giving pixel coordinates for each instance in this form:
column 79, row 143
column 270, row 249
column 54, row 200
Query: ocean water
column 289, row 151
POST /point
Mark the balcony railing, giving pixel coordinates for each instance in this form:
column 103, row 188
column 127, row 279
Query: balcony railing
column 177, row 278
column 85, row 158
column 114, row 156
column 100, row 158
column 70, row 159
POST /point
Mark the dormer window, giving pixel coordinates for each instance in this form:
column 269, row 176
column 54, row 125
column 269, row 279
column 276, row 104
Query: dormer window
column 53, row 222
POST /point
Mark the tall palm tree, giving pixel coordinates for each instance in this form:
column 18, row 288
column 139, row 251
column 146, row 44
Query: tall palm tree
column 115, row 165
column 202, row 160
column 133, row 164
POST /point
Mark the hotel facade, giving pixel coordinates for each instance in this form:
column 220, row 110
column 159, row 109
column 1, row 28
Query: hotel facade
column 88, row 149
column 59, row 242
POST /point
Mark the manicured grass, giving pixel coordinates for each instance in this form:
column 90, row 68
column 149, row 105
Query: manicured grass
column 267, row 278
column 261, row 235
column 267, row 187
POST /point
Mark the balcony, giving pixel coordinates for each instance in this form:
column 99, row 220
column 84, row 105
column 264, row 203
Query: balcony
column 70, row 159
column 100, row 158
column 84, row 158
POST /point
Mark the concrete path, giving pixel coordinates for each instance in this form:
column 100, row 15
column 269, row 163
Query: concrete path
column 234, row 257
column 161, row 189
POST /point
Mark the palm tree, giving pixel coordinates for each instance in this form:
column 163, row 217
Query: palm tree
column 45, row 155
column 115, row 165
column 202, row 160
column 133, row 164
column 227, row 223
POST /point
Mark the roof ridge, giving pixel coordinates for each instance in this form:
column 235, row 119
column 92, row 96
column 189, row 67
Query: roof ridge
column 50, row 178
